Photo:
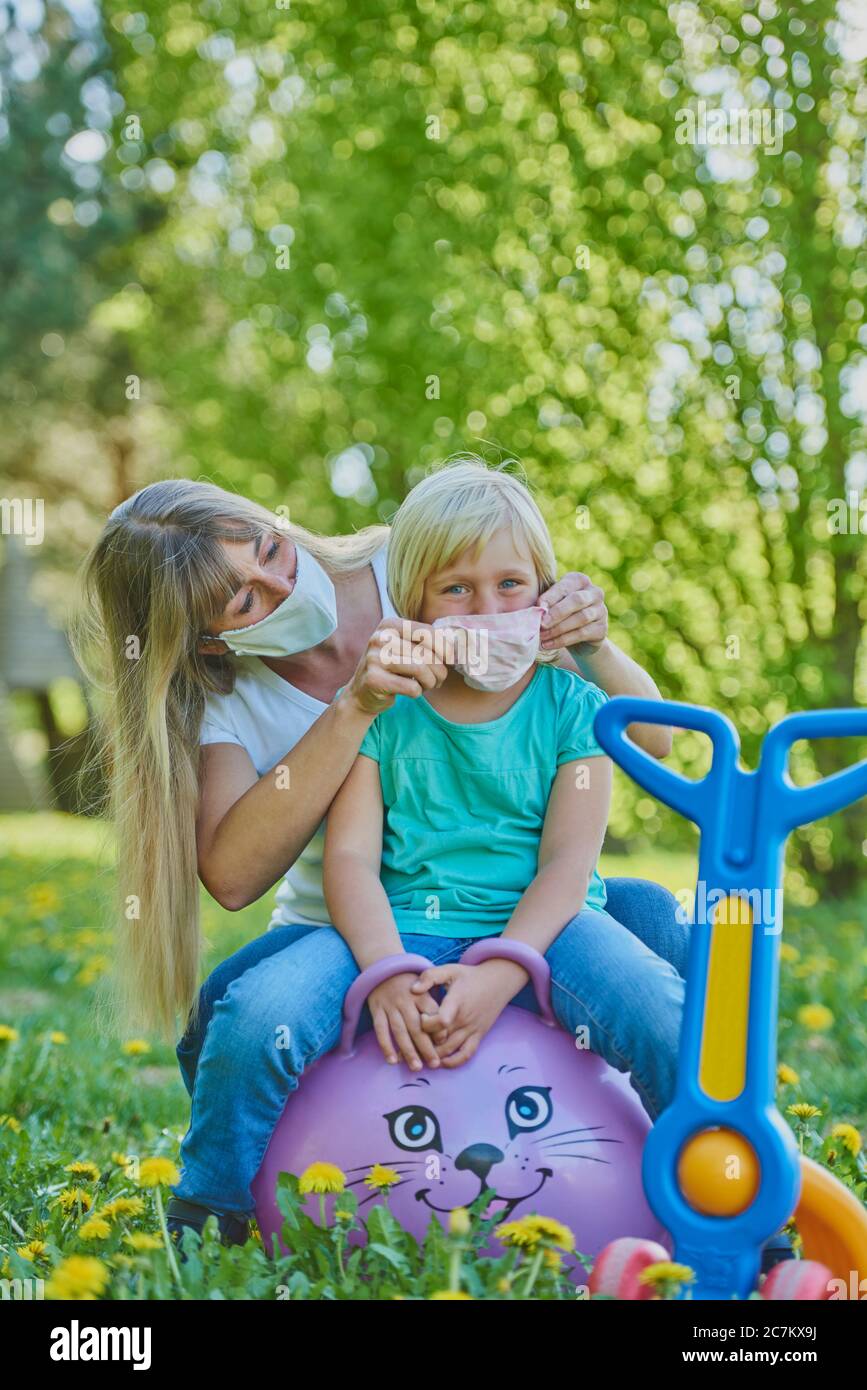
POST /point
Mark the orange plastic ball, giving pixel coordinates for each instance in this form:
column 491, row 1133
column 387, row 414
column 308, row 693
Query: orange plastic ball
column 718, row 1172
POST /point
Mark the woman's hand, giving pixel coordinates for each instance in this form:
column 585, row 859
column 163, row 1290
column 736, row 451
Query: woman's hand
column 577, row 616
column 397, row 1015
column 477, row 995
column 400, row 659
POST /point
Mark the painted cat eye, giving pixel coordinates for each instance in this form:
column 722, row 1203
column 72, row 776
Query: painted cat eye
column 528, row 1108
column 414, row 1127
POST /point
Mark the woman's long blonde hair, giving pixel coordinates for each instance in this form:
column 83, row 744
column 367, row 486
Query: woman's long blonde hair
column 154, row 582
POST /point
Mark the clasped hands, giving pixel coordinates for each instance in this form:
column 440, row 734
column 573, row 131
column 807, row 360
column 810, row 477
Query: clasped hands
column 409, row 1023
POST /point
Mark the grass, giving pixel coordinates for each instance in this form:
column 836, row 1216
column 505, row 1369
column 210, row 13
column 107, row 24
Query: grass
column 71, row 1097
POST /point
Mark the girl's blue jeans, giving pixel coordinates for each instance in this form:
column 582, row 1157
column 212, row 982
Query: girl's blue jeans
column 619, row 973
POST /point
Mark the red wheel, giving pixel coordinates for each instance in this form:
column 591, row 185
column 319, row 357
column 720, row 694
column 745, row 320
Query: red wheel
column 619, row 1264
column 797, row 1281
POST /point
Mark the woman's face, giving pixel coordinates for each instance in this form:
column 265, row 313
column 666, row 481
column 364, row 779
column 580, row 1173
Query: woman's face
column 498, row 580
column 268, row 566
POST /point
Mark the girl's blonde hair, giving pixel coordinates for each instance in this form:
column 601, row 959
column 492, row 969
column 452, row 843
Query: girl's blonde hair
column 153, row 583
column 459, row 507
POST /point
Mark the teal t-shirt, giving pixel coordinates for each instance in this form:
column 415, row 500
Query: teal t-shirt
column 464, row 804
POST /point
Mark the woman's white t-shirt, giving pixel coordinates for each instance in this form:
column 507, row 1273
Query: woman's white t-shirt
column 267, row 716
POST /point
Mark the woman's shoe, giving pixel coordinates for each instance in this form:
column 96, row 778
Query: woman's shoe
column 182, row 1215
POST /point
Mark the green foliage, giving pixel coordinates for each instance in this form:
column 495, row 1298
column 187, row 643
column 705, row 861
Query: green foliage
column 390, row 232
column 86, row 1100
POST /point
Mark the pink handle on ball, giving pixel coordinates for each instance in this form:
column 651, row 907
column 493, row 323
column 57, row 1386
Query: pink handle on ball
column 492, row 948
column 536, row 966
column 376, row 974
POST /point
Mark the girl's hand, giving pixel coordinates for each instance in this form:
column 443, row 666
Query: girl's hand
column 399, row 660
column 577, row 616
column 477, row 995
column 397, row 1015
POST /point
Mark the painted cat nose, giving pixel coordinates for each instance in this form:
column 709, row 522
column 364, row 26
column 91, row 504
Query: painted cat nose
column 479, row 1159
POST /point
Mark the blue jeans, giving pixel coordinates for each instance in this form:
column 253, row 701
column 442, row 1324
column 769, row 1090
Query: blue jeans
column 619, row 973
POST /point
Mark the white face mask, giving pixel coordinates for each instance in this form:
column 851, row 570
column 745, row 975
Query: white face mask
column 301, row 621
column 500, row 647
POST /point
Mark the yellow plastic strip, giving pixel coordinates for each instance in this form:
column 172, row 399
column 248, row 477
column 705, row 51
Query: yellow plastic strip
column 723, row 1065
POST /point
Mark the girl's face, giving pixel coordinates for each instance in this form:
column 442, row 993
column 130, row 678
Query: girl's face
column 501, row 578
column 268, row 566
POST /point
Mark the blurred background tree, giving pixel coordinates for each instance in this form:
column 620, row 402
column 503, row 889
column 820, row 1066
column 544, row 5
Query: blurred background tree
column 365, row 236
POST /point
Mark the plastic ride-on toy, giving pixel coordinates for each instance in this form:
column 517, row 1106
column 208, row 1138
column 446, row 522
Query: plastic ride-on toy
column 721, row 1168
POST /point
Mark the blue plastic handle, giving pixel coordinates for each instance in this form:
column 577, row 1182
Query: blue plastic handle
column 695, row 799
column 799, row 805
column 744, row 818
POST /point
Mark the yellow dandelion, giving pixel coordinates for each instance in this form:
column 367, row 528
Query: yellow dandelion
column 818, row 965
column 322, row 1177
column 92, row 969
column 451, row 1296
column 340, row 1215
column 122, row 1160
column 789, row 953
column 142, row 1240
column 534, row 1230
column 520, row 1233
column 88, row 937
column 136, row 1047
column 96, row 1228
column 8, row 1034
column 849, row 1136
column 817, row 1017
column 802, row 1111
column 380, row 1176
column 32, row 1250
column 43, row 898
column 59, row 1039
column 552, row 1259
column 122, row 1206
column 666, row 1272
column 72, row 1197
column 82, row 1169
column 459, row 1221
column 78, row 1277
column 787, row 1076
column 10, row 1122
column 504, row 1285
column 157, row 1172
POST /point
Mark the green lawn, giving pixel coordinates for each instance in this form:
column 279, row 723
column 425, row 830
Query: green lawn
column 69, row 1096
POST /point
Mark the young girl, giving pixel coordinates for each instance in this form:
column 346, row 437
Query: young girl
column 479, row 808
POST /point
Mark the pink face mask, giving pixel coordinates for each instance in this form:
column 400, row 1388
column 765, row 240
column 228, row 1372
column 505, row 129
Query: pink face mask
column 493, row 650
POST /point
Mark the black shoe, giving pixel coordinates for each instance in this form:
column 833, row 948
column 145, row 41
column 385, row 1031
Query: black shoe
column 775, row 1250
column 182, row 1215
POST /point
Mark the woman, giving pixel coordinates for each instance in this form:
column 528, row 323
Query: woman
column 241, row 660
